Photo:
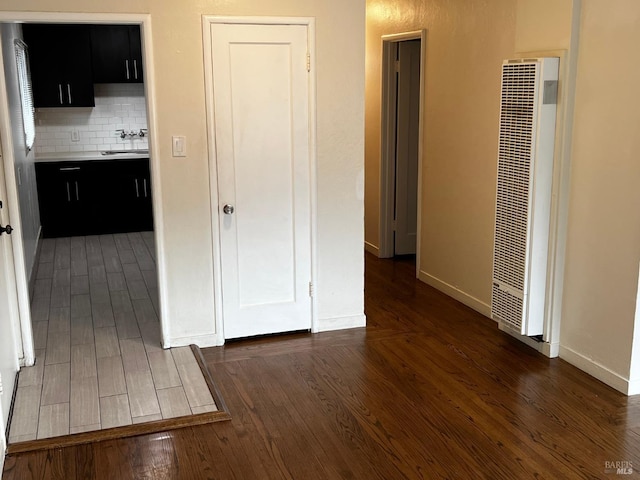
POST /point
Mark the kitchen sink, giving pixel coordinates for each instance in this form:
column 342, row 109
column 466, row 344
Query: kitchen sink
column 125, row 152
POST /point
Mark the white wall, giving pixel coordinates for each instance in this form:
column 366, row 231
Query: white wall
column 603, row 242
column 23, row 159
column 634, row 369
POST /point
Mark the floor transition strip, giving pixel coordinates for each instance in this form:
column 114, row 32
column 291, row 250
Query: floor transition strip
column 220, row 415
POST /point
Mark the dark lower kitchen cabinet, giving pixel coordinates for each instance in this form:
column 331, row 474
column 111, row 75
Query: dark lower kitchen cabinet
column 60, row 63
column 94, row 197
column 63, row 199
column 134, row 200
column 116, row 53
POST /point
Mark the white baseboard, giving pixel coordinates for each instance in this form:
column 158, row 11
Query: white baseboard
column 599, row 371
column 551, row 350
column 322, row 325
column 202, row 341
column 3, row 440
column 340, row 323
column 463, row 297
column 633, row 387
column 371, row 248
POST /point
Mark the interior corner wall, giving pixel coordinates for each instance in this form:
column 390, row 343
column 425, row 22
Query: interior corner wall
column 603, row 243
column 180, row 110
column 466, row 43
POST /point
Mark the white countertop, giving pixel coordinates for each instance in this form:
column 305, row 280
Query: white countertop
column 80, row 156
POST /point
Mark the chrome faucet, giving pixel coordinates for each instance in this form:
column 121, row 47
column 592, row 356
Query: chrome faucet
column 124, row 134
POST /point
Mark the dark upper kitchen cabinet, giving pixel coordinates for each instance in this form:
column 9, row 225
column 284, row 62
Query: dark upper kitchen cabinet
column 60, row 62
column 116, row 53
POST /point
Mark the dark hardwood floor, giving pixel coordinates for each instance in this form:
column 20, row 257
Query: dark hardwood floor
column 430, row 389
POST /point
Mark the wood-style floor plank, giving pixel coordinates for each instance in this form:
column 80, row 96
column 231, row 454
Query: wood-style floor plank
column 429, row 389
column 80, row 367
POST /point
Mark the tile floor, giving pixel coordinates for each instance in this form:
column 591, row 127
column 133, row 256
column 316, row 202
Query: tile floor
column 99, row 363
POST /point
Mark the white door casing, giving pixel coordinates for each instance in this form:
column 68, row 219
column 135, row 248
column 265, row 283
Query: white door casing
column 9, row 316
column 16, row 266
column 387, row 232
column 19, row 276
column 11, row 334
column 262, row 141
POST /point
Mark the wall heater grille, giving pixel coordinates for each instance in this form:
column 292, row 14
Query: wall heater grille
column 523, row 197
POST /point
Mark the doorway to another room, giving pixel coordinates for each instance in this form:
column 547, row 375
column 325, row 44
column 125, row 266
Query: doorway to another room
column 85, row 246
column 402, row 106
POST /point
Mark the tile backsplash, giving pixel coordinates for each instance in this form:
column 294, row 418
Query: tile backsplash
column 118, row 106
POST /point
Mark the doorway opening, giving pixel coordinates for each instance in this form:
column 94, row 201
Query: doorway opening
column 88, row 295
column 401, row 146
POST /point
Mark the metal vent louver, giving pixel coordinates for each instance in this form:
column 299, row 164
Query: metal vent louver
column 525, row 156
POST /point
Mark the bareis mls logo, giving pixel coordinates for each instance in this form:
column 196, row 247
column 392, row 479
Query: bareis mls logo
column 619, row 468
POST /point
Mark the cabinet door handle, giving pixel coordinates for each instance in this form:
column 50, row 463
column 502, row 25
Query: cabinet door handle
column 137, row 189
column 60, row 92
column 135, row 69
column 68, row 193
column 66, row 169
column 77, row 192
column 69, row 92
column 126, row 64
column 145, row 187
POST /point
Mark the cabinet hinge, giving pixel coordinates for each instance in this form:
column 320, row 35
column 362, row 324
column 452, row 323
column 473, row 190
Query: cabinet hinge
column 310, row 289
column 308, row 62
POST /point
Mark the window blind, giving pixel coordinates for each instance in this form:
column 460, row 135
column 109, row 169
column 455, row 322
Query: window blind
column 26, row 94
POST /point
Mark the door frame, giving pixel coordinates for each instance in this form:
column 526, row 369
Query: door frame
column 22, row 286
column 19, row 306
column 388, row 137
column 7, row 270
column 207, row 21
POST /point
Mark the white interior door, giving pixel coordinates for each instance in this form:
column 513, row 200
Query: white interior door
column 8, row 313
column 407, row 141
column 261, row 111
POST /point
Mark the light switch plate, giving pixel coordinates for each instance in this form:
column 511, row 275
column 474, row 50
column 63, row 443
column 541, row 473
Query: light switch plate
column 179, row 146
column 75, row 135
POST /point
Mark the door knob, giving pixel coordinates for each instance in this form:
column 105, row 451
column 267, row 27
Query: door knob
column 7, row 229
column 228, row 209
